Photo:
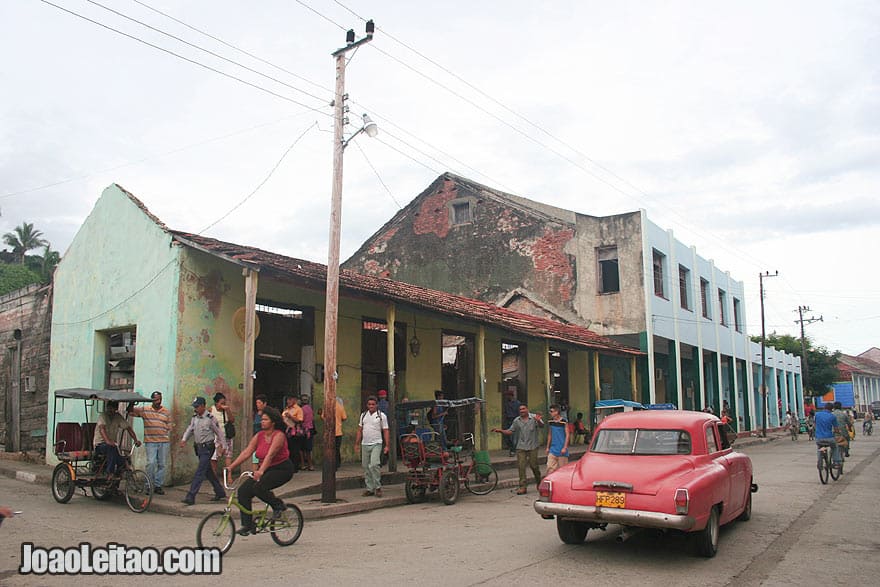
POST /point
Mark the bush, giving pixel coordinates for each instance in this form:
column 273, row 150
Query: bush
column 14, row 276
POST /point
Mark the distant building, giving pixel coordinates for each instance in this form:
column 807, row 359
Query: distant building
column 621, row 276
column 859, row 382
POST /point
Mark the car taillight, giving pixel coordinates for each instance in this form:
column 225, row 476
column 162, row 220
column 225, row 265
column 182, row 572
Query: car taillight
column 682, row 501
column 545, row 489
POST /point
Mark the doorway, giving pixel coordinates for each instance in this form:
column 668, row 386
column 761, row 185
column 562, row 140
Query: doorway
column 287, row 334
column 374, row 356
column 559, row 380
column 457, row 380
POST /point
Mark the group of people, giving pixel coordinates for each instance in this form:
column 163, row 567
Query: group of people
column 834, row 427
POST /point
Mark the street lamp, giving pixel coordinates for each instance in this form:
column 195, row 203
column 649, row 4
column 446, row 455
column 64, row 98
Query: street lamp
column 331, row 307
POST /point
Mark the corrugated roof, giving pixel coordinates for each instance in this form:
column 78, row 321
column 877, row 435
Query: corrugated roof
column 315, row 274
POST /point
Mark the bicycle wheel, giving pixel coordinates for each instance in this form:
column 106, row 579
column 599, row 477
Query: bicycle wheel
column 449, row 486
column 62, row 483
column 216, row 530
column 836, row 471
column 287, row 529
column 481, row 479
column 415, row 492
column 138, row 491
column 103, row 490
column 824, row 466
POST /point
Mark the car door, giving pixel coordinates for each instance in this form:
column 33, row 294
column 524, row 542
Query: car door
column 720, row 457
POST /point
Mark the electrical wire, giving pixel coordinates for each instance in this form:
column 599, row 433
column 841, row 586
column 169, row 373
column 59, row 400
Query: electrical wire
column 184, row 58
column 379, row 177
column 262, row 183
column 208, row 51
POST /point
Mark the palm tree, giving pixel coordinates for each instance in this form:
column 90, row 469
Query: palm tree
column 50, row 260
column 24, row 238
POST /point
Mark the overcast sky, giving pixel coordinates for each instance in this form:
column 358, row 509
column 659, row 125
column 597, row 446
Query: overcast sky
column 751, row 129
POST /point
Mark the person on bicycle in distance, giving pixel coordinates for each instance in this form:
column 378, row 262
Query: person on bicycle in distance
column 868, row 424
column 275, row 468
column 826, row 425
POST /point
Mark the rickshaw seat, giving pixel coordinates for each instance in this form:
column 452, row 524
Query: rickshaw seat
column 69, row 442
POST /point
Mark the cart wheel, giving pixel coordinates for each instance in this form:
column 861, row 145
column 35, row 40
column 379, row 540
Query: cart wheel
column 288, row 529
column 103, row 490
column 62, row 483
column 138, row 491
column 216, row 530
column 449, row 487
column 414, row 493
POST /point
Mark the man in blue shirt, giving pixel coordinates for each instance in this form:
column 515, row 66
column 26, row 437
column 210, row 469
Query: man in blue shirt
column 826, row 424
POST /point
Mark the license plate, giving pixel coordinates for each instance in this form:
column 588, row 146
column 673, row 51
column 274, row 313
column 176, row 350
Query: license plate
column 610, row 500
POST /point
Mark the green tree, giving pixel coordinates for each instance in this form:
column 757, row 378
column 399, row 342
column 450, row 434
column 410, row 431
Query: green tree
column 13, row 277
column 821, row 363
column 23, row 239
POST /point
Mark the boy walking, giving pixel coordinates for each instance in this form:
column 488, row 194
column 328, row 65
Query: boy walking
column 557, row 440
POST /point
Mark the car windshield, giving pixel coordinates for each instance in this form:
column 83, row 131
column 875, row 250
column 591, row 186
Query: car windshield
column 637, row 441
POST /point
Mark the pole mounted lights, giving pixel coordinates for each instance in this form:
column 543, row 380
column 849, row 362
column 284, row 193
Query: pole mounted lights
column 328, row 469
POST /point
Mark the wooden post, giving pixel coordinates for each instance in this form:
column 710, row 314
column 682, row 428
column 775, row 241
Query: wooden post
column 632, row 378
column 391, row 317
column 250, row 321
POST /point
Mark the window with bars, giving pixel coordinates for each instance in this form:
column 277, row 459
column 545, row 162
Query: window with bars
column 659, row 277
column 722, row 306
column 704, row 298
column 684, row 286
column 737, row 315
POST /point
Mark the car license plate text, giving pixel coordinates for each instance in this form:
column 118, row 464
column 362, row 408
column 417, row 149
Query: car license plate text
column 610, row 500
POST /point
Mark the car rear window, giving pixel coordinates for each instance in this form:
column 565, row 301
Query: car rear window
column 637, row 441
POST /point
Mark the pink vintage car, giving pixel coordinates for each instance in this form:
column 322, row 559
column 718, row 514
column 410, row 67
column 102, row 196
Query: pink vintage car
column 668, row 470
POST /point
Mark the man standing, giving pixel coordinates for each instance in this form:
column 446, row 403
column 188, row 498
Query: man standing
column 206, row 435
column 157, row 438
column 826, row 426
column 510, row 413
column 383, row 402
column 526, row 428
column 372, row 431
column 557, row 440
column 110, row 424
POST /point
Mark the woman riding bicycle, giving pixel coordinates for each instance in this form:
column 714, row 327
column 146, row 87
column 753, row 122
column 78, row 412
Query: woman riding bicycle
column 274, row 470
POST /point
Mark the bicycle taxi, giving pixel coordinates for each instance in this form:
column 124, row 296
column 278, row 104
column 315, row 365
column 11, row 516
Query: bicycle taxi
column 439, row 455
column 81, row 467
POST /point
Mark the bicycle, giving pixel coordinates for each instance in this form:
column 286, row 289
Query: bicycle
column 826, row 467
column 867, row 428
column 136, row 485
column 217, row 529
column 479, row 477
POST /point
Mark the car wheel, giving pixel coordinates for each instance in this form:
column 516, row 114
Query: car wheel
column 746, row 514
column 706, row 540
column 571, row 532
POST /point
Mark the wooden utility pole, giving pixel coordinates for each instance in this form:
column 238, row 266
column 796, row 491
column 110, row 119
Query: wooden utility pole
column 331, row 307
column 250, row 326
column 801, row 320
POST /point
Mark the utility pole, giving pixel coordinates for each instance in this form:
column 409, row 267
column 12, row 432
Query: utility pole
column 802, row 321
column 331, row 319
column 764, row 411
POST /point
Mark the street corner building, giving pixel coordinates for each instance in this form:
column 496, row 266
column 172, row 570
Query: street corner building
column 139, row 306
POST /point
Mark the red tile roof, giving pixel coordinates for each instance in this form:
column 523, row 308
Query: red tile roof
column 861, row 365
column 315, row 274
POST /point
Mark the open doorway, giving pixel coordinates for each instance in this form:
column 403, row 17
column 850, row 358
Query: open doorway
column 287, row 334
column 374, row 356
column 457, row 376
column 559, row 380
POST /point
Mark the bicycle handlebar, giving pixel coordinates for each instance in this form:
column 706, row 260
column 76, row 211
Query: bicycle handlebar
column 235, row 484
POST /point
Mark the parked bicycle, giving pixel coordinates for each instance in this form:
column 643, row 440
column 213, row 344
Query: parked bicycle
column 217, row 529
column 477, row 474
column 826, row 467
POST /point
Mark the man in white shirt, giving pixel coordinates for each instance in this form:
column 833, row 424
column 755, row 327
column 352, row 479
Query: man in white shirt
column 372, row 430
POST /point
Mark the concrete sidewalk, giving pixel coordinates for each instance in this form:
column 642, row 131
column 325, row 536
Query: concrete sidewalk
column 305, row 487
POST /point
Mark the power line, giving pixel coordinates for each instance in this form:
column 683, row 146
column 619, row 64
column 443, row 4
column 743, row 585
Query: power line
column 208, row 51
column 234, row 47
column 144, row 159
column 187, row 59
column 379, row 177
column 262, row 183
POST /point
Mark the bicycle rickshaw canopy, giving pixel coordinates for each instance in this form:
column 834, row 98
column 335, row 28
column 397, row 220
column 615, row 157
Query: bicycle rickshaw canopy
column 84, row 393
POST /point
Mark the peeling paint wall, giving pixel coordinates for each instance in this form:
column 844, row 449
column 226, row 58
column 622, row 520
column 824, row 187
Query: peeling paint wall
column 611, row 313
column 119, row 272
column 500, row 250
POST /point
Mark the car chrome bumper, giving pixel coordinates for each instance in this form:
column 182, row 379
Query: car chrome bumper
column 604, row 515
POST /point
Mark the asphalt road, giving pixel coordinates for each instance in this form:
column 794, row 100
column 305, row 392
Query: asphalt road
column 801, row 533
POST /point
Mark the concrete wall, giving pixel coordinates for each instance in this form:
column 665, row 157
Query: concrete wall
column 611, row 313
column 120, row 272
column 24, row 367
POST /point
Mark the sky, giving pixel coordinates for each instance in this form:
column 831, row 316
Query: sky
column 750, row 129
